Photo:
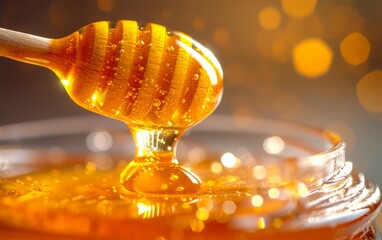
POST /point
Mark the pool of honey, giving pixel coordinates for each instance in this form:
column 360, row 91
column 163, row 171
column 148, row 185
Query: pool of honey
column 82, row 199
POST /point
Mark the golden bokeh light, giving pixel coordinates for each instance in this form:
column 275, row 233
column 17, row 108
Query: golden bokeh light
column 198, row 23
column 196, row 225
column 274, row 193
column 166, row 14
column 106, row 5
column 312, row 57
column 235, row 73
column 263, row 43
column 369, row 91
column 259, row 172
column 355, row 48
column 216, row 167
column 269, row 18
column 298, row 8
column 229, row 207
column 302, row 190
column 274, row 145
column 229, row 160
column 257, row 200
column 282, row 47
column 222, row 37
column 335, row 18
column 202, row 214
column 298, row 29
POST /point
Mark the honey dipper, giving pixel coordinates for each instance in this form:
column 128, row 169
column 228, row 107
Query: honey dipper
column 157, row 81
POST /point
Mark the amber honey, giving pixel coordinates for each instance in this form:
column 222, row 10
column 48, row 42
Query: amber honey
column 80, row 201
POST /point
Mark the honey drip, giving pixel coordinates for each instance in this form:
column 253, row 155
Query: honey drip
column 156, row 81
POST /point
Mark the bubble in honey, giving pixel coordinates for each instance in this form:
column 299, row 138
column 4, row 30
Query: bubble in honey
column 312, row 57
column 355, row 48
column 269, row 18
column 369, row 91
column 198, row 23
column 156, row 102
column 298, row 8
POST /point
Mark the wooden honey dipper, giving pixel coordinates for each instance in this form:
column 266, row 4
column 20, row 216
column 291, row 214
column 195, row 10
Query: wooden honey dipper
column 158, row 82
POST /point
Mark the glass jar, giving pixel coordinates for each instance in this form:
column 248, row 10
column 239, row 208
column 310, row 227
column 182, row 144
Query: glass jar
column 262, row 179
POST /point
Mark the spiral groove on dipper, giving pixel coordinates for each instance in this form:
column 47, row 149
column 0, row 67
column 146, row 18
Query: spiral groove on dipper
column 143, row 75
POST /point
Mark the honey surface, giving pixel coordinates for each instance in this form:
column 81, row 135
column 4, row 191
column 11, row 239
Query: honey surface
column 83, row 202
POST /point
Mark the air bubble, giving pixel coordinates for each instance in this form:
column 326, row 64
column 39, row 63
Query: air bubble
column 156, row 102
column 170, row 49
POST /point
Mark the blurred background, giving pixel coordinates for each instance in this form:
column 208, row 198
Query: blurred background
column 317, row 62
